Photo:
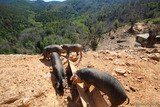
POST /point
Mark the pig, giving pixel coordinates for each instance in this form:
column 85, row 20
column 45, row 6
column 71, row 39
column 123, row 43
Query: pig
column 59, row 72
column 104, row 82
column 47, row 51
column 73, row 48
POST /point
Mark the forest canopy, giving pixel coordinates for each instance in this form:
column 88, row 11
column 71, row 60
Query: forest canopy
column 28, row 26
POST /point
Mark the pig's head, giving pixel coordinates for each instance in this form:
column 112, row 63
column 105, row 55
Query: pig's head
column 60, row 85
column 75, row 79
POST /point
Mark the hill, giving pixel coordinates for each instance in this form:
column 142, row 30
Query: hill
column 28, row 26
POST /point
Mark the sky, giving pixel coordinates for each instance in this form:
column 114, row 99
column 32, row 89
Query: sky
column 52, row 0
column 49, row 0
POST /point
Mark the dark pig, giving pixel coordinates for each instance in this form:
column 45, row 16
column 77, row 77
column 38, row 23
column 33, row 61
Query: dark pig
column 47, row 51
column 59, row 72
column 104, row 82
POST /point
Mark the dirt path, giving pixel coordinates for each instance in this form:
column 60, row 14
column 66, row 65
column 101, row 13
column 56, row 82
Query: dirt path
column 26, row 80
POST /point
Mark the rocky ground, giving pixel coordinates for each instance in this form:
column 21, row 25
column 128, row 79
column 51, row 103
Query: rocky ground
column 25, row 80
column 121, row 38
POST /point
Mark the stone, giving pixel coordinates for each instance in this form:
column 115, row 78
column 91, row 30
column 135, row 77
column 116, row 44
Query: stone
column 102, row 52
column 117, row 62
column 11, row 99
column 25, row 102
column 95, row 55
column 128, row 64
column 108, row 52
column 152, row 51
column 129, row 71
column 154, row 56
column 111, row 58
column 145, row 59
column 125, row 75
column 132, row 89
column 38, row 94
column 121, row 40
column 90, row 65
column 156, row 88
column 122, row 64
column 114, row 74
column 119, row 56
column 127, row 88
column 120, row 71
column 140, row 77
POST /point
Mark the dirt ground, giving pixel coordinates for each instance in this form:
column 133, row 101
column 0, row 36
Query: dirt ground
column 25, row 80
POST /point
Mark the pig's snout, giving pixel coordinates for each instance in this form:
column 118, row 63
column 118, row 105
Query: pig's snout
column 75, row 79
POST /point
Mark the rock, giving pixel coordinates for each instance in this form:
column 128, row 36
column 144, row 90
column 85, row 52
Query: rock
column 137, row 44
column 128, row 64
column 155, row 56
column 117, row 62
column 114, row 74
column 152, row 51
column 131, row 50
column 90, row 65
column 26, row 65
column 127, row 88
column 108, row 52
column 102, row 52
column 132, row 89
column 120, row 71
column 113, row 54
column 129, row 56
column 119, row 56
column 112, row 37
column 95, row 55
column 125, row 75
column 129, row 71
column 156, row 88
column 122, row 40
column 140, row 77
column 155, row 77
column 145, row 59
column 38, row 94
column 10, row 100
column 111, row 58
column 25, row 102
column 122, row 64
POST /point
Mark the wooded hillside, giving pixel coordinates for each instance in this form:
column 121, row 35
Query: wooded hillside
column 28, row 26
